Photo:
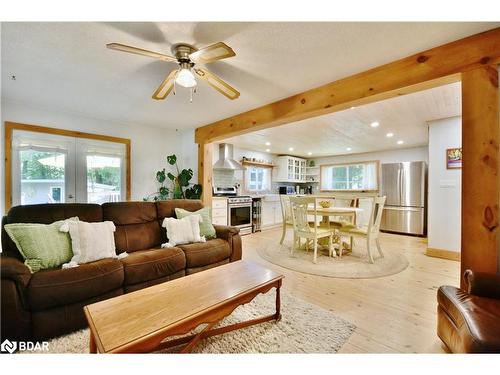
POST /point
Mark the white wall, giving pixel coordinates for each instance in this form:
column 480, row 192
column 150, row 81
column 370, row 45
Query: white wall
column 149, row 145
column 189, row 153
column 445, row 186
column 390, row 156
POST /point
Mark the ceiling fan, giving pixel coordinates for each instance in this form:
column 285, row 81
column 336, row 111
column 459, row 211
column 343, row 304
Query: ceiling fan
column 187, row 57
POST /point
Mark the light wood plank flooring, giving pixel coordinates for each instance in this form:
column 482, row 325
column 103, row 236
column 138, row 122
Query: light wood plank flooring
column 393, row 314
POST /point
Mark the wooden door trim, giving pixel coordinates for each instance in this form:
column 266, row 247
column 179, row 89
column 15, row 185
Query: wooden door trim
column 11, row 126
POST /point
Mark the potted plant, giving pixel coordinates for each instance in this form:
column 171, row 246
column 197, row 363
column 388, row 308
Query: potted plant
column 180, row 187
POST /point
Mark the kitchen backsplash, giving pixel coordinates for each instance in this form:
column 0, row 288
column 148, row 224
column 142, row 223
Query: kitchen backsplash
column 223, row 177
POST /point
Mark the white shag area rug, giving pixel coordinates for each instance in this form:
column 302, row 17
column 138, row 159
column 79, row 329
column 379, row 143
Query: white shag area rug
column 304, row 328
column 353, row 265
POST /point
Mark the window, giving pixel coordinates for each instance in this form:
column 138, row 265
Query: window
column 47, row 167
column 257, row 179
column 350, row 176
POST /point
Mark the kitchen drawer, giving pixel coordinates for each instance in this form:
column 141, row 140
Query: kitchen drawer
column 219, row 212
column 219, row 220
column 219, row 203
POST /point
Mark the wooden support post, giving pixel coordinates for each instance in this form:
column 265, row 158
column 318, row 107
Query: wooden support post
column 480, row 167
column 205, row 162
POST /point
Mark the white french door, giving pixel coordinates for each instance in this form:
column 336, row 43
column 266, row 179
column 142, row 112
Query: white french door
column 48, row 168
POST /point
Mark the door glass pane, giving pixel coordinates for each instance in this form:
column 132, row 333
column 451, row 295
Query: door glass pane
column 42, row 176
column 103, row 179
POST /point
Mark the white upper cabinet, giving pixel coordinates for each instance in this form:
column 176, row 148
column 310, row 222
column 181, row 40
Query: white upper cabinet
column 290, row 169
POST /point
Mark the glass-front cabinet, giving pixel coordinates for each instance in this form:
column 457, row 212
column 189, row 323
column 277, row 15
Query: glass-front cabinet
column 290, row 169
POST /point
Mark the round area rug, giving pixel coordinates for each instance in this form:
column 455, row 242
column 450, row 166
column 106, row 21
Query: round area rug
column 353, row 265
column 304, row 328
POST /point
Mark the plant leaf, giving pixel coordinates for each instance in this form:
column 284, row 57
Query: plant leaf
column 194, row 192
column 185, row 176
column 171, row 176
column 160, row 176
column 172, row 159
column 164, row 191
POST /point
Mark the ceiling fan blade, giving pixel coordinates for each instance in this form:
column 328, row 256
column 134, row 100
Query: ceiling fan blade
column 140, row 51
column 214, row 52
column 217, row 83
column 166, row 86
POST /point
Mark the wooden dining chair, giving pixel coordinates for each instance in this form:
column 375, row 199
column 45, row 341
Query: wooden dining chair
column 286, row 214
column 302, row 228
column 370, row 232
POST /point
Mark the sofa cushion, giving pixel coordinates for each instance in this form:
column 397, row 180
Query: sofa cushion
column 137, row 226
column 167, row 209
column 477, row 319
column 58, row 287
column 47, row 214
column 145, row 265
column 206, row 253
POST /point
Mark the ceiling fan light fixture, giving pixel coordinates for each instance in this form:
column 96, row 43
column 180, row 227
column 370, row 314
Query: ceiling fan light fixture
column 185, row 78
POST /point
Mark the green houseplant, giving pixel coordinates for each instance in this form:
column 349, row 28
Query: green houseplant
column 180, row 186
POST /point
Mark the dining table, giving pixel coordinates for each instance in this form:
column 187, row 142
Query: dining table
column 327, row 212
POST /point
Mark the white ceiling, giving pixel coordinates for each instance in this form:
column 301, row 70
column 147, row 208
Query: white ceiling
column 404, row 116
column 66, row 65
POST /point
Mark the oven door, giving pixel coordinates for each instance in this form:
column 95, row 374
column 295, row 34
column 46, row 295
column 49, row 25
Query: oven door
column 240, row 215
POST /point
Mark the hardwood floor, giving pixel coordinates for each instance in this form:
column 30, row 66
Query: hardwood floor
column 393, row 314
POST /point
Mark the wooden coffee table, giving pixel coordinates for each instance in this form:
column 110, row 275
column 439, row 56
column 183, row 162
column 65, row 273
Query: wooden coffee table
column 140, row 321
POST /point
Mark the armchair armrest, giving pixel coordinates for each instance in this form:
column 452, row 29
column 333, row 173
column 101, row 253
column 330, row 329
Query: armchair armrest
column 482, row 284
column 15, row 270
column 231, row 235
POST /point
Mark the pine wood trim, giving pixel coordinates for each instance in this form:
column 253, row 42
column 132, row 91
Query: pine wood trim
column 205, row 171
column 11, row 126
column 443, row 254
column 257, row 164
column 480, row 169
column 431, row 68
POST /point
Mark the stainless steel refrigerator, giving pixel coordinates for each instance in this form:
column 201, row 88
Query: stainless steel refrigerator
column 405, row 187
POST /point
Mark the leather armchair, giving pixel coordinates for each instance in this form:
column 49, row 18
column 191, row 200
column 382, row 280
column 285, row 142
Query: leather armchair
column 469, row 321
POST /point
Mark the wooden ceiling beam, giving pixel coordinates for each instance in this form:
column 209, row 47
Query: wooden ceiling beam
column 431, row 68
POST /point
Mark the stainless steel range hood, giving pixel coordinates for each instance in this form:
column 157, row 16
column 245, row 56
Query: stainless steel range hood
column 226, row 160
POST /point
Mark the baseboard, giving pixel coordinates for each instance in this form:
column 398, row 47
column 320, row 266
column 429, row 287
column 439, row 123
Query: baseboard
column 444, row 254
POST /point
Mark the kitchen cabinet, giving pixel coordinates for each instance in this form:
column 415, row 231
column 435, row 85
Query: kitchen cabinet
column 290, row 169
column 271, row 213
column 219, row 211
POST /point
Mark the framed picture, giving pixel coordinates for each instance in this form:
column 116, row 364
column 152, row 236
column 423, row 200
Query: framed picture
column 454, row 158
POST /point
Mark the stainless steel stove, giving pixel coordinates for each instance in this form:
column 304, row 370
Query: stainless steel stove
column 239, row 208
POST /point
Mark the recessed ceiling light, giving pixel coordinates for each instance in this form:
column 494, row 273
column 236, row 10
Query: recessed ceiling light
column 268, row 143
column 352, row 107
column 348, row 149
column 400, row 142
column 389, row 135
column 374, row 124
column 290, row 149
column 268, row 150
column 309, row 153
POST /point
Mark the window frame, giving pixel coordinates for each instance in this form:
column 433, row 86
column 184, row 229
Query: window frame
column 246, row 178
column 377, row 166
column 9, row 130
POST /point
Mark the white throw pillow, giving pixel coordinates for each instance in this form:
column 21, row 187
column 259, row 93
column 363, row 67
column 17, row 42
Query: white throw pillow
column 183, row 231
column 90, row 241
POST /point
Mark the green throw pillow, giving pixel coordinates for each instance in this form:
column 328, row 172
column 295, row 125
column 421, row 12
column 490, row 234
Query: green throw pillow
column 206, row 227
column 42, row 246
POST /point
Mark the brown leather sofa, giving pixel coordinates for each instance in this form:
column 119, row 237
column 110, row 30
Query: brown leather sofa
column 469, row 321
column 50, row 303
